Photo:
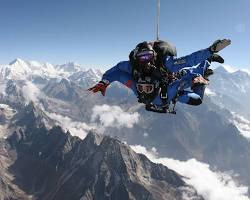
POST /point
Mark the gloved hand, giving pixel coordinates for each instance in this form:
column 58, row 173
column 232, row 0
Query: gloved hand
column 219, row 45
column 99, row 87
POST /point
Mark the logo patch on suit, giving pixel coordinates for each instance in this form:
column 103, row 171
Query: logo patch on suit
column 180, row 61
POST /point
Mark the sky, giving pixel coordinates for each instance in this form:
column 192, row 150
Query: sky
column 98, row 33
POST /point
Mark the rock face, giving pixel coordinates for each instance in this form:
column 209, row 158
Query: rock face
column 232, row 90
column 204, row 132
column 37, row 163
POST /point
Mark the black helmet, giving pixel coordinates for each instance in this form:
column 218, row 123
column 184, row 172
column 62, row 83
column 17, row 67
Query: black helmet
column 144, row 53
column 147, row 89
column 164, row 48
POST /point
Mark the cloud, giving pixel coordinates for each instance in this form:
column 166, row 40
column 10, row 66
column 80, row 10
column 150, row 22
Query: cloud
column 102, row 117
column 30, row 92
column 2, row 88
column 211, row 185
column 79, row 129
column 114, row 116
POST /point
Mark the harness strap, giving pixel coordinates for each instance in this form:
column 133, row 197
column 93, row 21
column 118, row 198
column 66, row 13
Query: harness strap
column 158, row 109
column 163, row 93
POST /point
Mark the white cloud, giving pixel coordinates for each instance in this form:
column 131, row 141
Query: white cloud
column 211, row 185
column 30, row 92
column 102, row 117
column 2, row 88
column 79, row 129
column 114, row 116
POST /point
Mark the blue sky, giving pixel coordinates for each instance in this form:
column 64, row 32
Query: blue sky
column 100, row 33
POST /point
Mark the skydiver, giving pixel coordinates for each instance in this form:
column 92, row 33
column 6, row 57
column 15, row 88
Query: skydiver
column 157, row 77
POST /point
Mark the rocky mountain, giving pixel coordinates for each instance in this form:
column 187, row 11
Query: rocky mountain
column 40, row 163
column 86, row 78
column 211, row 132
column 232, row 89
column 63, row 89
column 38, row 72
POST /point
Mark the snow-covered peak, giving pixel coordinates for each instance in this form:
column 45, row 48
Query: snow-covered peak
column 241, row 73
column 93, row 73
column 19, row 62
column 89, row 76
column 225, row 69
column 34, row 63
column 20, row 69
column 69, row 67
column 17, row 69
column 246, row 70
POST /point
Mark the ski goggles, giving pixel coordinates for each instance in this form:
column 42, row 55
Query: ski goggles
column 145, row 57
column 146, row 88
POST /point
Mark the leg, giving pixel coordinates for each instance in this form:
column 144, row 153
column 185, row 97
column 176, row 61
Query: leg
column 190, row 98
column 183, row 83
column 201, row 68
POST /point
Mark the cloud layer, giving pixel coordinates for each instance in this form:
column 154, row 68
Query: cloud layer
column 79, row 129
column 114, row 116
column 211, row 185
column 102, row 117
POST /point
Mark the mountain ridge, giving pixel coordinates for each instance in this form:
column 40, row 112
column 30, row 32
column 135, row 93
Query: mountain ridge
column 102, row 167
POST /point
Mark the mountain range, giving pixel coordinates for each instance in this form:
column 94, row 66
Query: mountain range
column 217, row 132
column 41, row 163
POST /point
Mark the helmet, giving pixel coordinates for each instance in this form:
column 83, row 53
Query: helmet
column 147, row 89
column 144, row 53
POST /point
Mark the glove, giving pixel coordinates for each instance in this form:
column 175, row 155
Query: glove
column 100, row 87
column 219, row 45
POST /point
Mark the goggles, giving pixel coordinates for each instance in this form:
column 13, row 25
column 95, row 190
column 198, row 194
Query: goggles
column 144, row 87
column 145, row 57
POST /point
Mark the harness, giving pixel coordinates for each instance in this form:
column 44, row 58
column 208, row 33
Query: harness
column 157, row 76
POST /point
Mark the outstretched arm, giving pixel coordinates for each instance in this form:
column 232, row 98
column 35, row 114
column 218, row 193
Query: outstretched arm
column 116, row 73
column 120, row 72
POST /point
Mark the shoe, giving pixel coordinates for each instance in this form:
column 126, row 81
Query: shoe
column 208, row 73
column 215, row 58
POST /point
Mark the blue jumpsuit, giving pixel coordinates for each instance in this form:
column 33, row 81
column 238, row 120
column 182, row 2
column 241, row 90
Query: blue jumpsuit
column 122, row 72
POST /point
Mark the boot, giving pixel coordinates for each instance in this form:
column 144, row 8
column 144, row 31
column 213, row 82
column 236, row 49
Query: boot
column 215, row 58
column 208, row 73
